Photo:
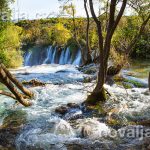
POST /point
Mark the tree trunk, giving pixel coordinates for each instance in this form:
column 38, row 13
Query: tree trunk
column 6, row 81
column 96, row 97
column 88, row 56
column 16, row 82
column 99, row 93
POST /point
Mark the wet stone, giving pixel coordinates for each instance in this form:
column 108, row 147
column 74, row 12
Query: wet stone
column 73, row 105
column 61, row 110
column 147, row 92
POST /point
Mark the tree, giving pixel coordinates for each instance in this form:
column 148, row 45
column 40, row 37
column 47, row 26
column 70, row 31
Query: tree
column 5, row 12
column 99, row 93
column 85, row 48
column 88, row 49
column 9, row 44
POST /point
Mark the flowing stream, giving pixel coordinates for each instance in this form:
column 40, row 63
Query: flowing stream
column 44, row 129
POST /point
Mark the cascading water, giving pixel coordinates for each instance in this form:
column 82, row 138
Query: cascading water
column 49, row 55
column 27, row 59
column 78, row 58
column 62, row 56
column 52, row 55
column 42, row 128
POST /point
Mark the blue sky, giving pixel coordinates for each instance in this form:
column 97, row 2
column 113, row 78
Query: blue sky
column 34, row 9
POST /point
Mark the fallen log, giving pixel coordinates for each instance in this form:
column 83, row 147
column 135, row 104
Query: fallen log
column 16, row 82
column 7, row 79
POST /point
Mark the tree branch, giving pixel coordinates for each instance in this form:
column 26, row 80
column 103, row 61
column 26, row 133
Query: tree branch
column 7, row 94
column 129, row 48
column 113, row 27
column 16, row 82
column 99, row 26
column 119, row 16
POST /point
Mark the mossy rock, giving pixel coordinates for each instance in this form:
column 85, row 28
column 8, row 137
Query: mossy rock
column 96, row 98
column 118, row 79
column 135, row 83
column 128, row 85
column 87, row 80
column 14, row 119
column 90, row 71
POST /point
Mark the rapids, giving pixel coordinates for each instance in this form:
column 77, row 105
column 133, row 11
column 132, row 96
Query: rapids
column 44, row 129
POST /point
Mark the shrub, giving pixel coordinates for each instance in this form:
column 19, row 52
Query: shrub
column 10, row 54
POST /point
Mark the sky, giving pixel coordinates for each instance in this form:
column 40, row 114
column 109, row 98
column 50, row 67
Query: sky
column 36, row 9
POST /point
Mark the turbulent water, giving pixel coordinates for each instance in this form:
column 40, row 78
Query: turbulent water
column 44, row 129
column 52, row 55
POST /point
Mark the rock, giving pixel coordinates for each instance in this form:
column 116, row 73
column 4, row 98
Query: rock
column 12, row 125
column 90, row 71
column 73, row 114
column 34, row 83
column 86, row 131
column 25, row 73
column 147, row 92
column 148, row 147
column 73, row 105
column 61, row 110
column 128, row 85
column 87, row 80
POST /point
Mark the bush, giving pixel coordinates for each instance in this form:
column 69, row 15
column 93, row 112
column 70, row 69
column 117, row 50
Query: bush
column 60, row 34
column 10, row 54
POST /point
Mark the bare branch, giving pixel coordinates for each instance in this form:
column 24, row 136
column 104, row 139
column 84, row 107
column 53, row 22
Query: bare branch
column 7, row 94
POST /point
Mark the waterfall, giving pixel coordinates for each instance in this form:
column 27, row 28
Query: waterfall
column 62, row 56
column 27, row 58
column 67, row 56
column 49, row 55
column 52, row 55
column 77, row 58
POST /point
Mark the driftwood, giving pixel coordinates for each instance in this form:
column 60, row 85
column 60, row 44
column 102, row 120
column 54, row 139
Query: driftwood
column 12, row 84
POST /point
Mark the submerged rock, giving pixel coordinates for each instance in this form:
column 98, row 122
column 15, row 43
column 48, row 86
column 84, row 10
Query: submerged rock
column 73, row 105
column 134, row 137
column 93, row 129
column 61, row 110
column 11, row 127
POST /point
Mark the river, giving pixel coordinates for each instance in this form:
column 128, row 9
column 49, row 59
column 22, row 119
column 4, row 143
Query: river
column 43, row 129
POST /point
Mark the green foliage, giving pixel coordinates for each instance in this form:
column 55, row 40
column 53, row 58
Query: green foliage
column 10, row 54
column 5, row 11
column 59, row 34
column 93, row 39
column 126, row 32
column 59, row 31
column 38, row 34
column 142, row 47
column 72, row 44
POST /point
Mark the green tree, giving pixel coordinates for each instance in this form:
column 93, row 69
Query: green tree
column 10, row 54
